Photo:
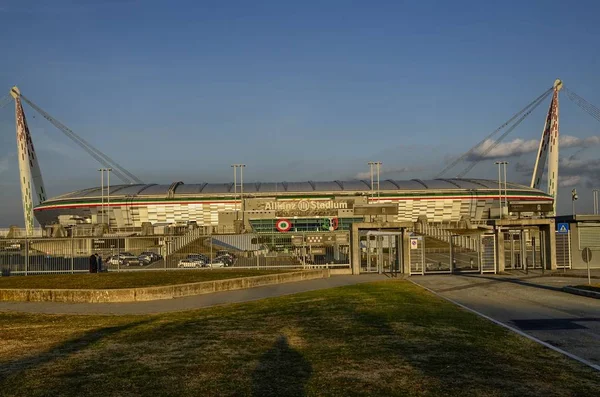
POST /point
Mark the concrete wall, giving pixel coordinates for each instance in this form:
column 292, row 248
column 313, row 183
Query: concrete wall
column 576, row 259
column 154, row 293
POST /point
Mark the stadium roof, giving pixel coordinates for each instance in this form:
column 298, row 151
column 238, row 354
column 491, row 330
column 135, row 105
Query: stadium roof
column 181, row 189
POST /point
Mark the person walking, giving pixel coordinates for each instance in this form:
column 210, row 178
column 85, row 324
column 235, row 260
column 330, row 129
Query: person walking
column 93, row 263
column 100, row 270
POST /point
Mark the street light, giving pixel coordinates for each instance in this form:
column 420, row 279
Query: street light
column 378, row 166
column 596, row 191
column 107, row 170
column 235, row 185
column 102, row 192
column 574, row 197
column 500, row 164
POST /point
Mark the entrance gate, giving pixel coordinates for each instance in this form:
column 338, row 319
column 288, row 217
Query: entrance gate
column 523, row 249
column 380, row 252
column 487, row 254
column 417, row 255
column 456, row 253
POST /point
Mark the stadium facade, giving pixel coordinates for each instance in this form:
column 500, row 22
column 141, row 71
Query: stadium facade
column 295, row 206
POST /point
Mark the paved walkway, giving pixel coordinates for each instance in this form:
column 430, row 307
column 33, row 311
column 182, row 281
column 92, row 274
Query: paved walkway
column 533, row 304
column 189, row 302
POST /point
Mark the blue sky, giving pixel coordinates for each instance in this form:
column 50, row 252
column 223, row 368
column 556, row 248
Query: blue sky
column 179, row 90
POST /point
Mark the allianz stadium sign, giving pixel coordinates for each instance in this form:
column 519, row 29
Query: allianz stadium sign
column 306, row 205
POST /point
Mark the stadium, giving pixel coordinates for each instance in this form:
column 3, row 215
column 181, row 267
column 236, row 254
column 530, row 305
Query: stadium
column 301, row 206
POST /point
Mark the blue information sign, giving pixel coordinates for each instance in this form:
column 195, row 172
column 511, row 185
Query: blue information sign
column 562, row 228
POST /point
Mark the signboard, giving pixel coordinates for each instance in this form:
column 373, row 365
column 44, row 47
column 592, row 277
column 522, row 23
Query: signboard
column 414, row 243
column 378, row 209
column 562, row 228
column 330, row 224
column 342, row 238
column 298, row 240
column 323, row 239
column 301, row 207
column 530, row 207
column 283, row 225
column 586, row 255
column 317, row 251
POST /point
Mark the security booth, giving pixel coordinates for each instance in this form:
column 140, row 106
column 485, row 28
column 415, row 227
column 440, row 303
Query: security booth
column 380, row 247
column 574, row 233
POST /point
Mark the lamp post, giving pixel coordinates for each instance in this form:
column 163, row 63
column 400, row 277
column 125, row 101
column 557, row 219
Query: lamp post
column 102, row 192
column 596, row 191
column 505, row 189
column 235, row 185
column 574, row 197
column 376, row 164
column 108, row 170
column 500, row 164
column 102, row 171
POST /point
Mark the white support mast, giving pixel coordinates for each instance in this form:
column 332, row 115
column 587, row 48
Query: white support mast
column 29, row 168
column 548, row 148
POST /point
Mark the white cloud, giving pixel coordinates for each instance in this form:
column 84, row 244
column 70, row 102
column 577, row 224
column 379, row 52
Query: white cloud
column 518, row 147
column 568, row 181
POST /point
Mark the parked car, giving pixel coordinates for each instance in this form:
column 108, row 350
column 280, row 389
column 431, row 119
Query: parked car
column 125, row 259
column 218, row 262
column 153, row 255
column 199, row 257
column 190, row 263
column 221, row 253
column 225, row 260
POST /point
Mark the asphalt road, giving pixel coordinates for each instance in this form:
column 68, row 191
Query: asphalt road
column 534, row 305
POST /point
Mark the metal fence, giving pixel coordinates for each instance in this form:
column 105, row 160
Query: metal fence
column 563, row 250
column 446, row 251
column 197, row 250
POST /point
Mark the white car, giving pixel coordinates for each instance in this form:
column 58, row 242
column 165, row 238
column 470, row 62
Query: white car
column 189, row 263
column 217, row 263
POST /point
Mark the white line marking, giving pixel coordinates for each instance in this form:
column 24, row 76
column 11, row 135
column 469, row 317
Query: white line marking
column 515, row 330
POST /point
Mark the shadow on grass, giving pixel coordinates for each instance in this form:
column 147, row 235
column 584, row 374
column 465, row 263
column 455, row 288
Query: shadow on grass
column 281, row 371
column 454, row 354
column 69, row 347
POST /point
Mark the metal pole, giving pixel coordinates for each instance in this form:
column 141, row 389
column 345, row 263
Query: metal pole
column 371, row 172
column 565, row 253
column 102, row 193
column 72, row 252
column 235, row 188
column 26, row 255
column 378, row 179
column 505, row 189
column 167, row 244
column 499, row 187
column 108, row 170
column 588, row 271
column 242, row 192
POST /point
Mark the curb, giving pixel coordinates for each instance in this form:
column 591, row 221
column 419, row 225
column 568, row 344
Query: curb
column 157, row 292
column 582, row 292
